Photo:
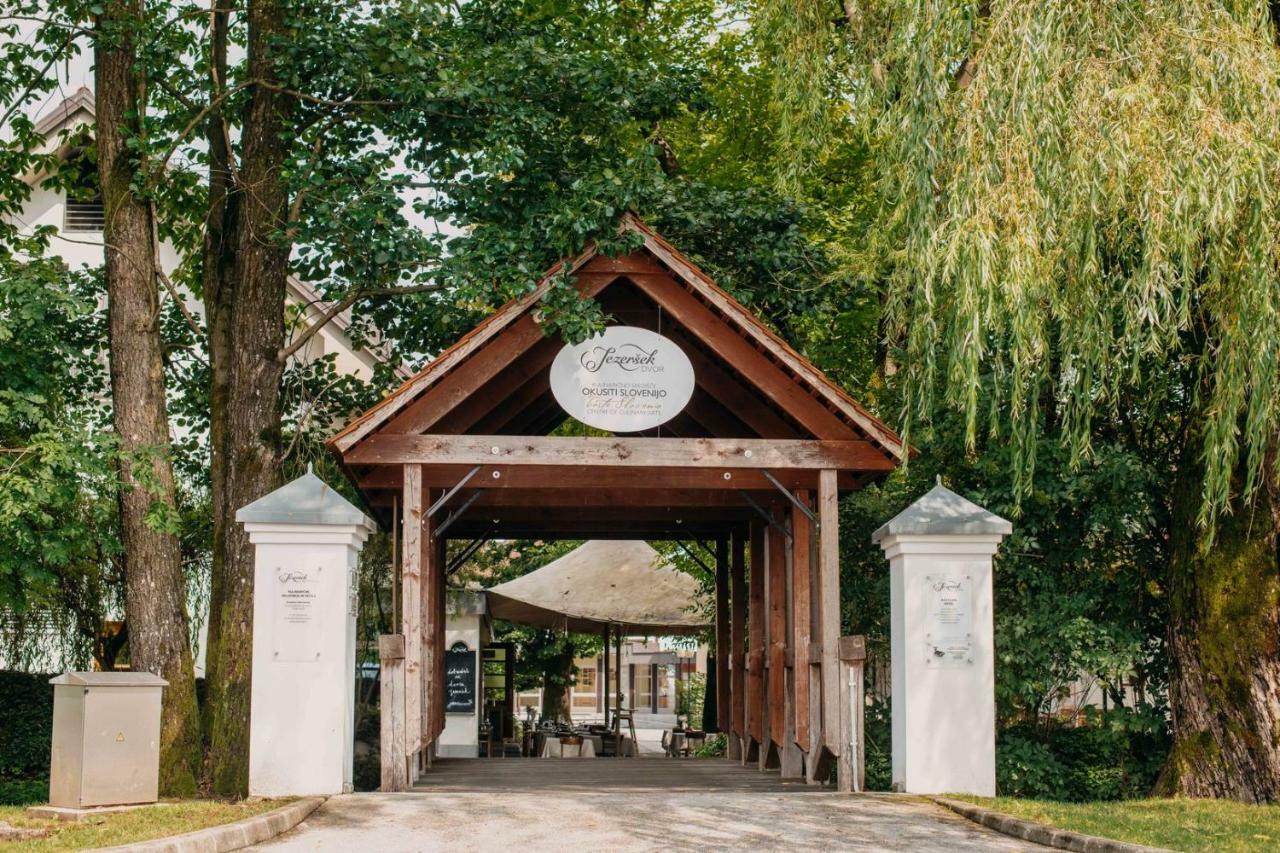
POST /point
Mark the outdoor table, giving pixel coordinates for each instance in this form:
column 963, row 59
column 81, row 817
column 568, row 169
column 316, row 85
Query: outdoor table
column 679, row 741
column 591, row 747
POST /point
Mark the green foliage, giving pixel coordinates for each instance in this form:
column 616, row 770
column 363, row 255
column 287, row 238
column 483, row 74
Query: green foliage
column 714, row 747
column 690, row 697
column 1116, row 755
column 877, row 766
column 1085, row 199
column 1077, row 584
column 27, row 700
column 57, row 475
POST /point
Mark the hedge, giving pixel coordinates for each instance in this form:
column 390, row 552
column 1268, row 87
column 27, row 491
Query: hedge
column 26, row 724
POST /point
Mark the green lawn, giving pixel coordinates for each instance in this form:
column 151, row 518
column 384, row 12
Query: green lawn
column 125, row 827
column 1179, row 824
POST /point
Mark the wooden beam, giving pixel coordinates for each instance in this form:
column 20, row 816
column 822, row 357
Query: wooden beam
column 466, row 378
column 715, row 419
column 722, row 453
column 587, row 529
column 829, row 607
column 723, row 716
column 482, row 334
column 529, row 395
column 555, row 515
column 765, row 339
column 723, row 339
column 414, row 510
column 801, row 617
column 672, row 498
column 737, row 641
column 735, row 394
column 603, row 480
column 500, row 389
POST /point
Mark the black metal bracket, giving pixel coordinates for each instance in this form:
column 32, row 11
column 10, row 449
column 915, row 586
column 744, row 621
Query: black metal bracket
column 444, row 499
column 696, row 558
column 773, row 522
column 796, row 502
column 457, row 513
column 464, row 555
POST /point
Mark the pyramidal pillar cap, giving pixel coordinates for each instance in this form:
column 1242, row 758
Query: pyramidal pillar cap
column 942, row 512
column 306, row 500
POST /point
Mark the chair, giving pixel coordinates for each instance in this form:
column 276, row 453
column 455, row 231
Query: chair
column 627, row 715
column 570, row 740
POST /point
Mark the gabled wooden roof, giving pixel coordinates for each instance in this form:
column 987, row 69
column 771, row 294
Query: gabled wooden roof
column 809, row 379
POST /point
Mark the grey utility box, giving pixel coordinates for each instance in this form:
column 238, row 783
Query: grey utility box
column 106, row 739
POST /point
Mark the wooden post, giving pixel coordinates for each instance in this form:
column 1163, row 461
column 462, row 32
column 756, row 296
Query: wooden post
column 391, row 705
column 791, row 757
column 756, row 638
column 801, row 617
column 411, row 614
column 605, row 677
column 777, row 702
column 442, row 615
column 851, row 766
column 432, row 638
column 737, row 641
column 829, row 613
column 723, row 723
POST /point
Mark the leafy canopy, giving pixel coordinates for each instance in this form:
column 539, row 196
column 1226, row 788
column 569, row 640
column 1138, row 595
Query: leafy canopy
column 1087, row 199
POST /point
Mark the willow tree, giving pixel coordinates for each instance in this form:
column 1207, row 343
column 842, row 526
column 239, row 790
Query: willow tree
column 1086, row 200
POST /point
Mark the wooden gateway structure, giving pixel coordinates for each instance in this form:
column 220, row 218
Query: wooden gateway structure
column 753, row 465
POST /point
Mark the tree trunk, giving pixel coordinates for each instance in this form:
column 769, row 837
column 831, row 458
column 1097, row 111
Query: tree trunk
column 1224, row 649
column 155, row 590
column 246, row 330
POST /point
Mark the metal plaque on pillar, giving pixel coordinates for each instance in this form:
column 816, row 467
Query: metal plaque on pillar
column 296, row 624
column 948, row 619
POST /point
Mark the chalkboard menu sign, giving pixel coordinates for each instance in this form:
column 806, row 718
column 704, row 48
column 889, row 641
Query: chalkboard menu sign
column 460, row 679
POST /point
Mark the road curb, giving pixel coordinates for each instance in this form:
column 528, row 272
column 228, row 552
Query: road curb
column 230, row 836
column 1039, row 833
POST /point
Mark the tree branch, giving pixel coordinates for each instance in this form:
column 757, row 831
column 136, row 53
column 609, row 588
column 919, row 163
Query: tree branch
column 342, row 305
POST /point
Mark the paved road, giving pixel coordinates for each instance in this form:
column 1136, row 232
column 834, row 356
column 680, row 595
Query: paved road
column 532, row 805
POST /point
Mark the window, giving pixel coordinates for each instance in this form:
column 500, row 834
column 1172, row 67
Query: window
column 586, row 680
column 83, row 210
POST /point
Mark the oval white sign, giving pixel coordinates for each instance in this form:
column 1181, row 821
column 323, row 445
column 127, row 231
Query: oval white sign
column 625, row 379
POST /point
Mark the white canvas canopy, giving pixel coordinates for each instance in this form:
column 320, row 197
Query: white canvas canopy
column 622, row 583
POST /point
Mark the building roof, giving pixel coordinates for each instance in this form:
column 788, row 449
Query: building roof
column 942, row 512
column 621, row 583
column 76, row 109
column 306, row 500
column 743, row 322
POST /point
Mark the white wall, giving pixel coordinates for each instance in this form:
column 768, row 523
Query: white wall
column 461, row 735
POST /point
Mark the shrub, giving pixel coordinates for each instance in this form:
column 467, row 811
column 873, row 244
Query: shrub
column 714, row 747
column 1025, row 767
column 1113, row 756
column 877, row 763
column 26, row 726
column 21, row 792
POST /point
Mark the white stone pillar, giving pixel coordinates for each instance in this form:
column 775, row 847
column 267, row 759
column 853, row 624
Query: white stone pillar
column 307, row 539
column 940, row 552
